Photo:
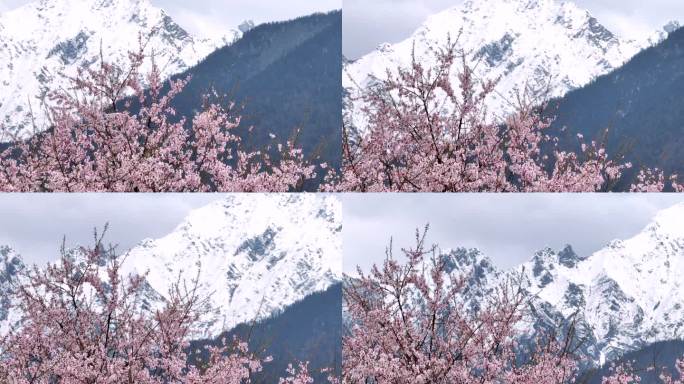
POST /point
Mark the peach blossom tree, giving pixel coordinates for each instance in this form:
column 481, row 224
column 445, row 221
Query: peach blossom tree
column 426, row 132
column 99, row 141
column 84, row 321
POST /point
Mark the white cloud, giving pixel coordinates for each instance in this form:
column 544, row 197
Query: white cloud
column 6, row 5
column 365, row 24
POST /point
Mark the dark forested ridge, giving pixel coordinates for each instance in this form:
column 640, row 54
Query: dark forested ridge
column 662, row 355
column 284, row 75
column 641, row 104
column 309, row 330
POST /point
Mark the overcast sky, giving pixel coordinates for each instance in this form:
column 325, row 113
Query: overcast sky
column 209, row 17
column 34, row 224
column 508, row 228
column 369, row 23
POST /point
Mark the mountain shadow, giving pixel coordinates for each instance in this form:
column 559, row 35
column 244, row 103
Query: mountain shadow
column 283, row 76
column 309, row 330
column 641, row 105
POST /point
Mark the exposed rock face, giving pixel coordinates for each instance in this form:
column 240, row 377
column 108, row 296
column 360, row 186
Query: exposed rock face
column 625, row 296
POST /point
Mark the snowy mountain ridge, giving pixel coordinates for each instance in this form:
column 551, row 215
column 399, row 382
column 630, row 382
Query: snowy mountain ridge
column 44, row 40
column 254, row 255
column 542, row 48
column 257, row 254
column 627, row 295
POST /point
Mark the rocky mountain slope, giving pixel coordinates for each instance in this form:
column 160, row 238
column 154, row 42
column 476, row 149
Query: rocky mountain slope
column 625, row 296
column 44, row 40
column 256, row 254
column 543, row 48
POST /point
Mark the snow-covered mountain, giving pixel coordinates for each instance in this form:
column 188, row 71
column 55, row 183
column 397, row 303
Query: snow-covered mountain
column 44, row 39
column 625, row 296
column 542, row 47
column 257, row 254
column 253, row 254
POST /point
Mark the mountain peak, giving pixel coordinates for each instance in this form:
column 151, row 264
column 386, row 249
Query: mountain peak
column 46, row 39
column 256, row 253
column 669, row 221
column 568, row 258
column 544, row 47
column 467, row 261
